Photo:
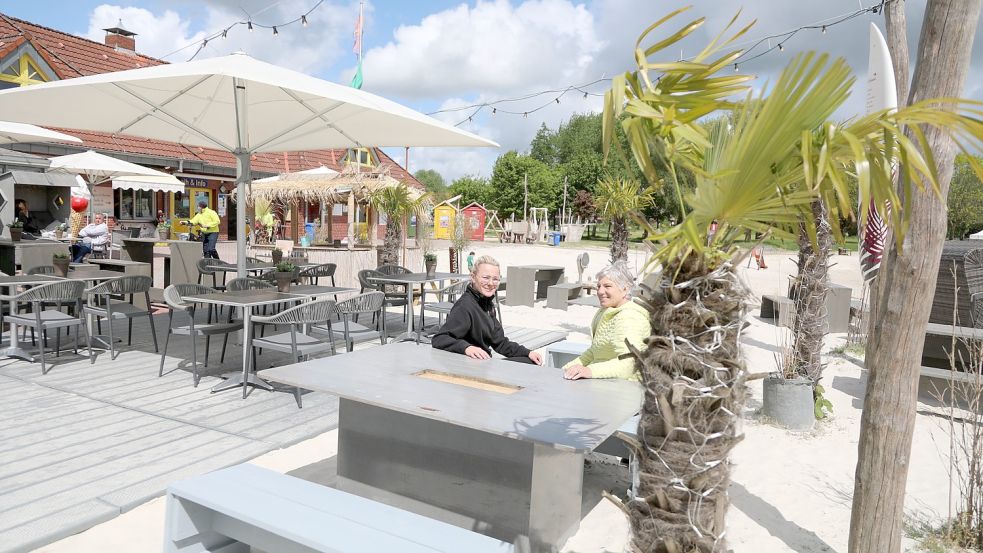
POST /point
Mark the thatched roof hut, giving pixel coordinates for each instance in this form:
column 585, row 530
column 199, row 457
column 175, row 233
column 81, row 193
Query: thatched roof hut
column 324, row 188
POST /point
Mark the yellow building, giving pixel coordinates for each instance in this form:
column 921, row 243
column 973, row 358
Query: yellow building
column 443, row 221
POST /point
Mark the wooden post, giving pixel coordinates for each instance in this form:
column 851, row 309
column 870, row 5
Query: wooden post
column 294, row 216
column 330, row 223
column 373, row 225
column 906, row 290
column 351, row 220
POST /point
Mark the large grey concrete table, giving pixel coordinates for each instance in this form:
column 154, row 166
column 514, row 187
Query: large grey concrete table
column 523, row 279
column 14, row 349
column 412, row 280
column 507, row 463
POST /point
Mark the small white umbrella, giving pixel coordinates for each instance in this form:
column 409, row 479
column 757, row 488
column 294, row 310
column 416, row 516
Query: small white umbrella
column 11, row 133
column 234, row 103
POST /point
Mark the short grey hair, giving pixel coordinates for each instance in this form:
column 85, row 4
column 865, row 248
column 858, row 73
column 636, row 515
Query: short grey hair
column 484, row 260
column 620, row 275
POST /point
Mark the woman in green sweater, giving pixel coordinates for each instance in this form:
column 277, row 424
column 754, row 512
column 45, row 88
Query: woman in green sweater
column 618, row 320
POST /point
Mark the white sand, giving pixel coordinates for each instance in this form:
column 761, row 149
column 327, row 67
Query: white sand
column 791, row 492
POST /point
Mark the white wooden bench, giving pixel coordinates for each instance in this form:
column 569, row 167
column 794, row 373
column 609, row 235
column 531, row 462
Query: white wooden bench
column 233, row 509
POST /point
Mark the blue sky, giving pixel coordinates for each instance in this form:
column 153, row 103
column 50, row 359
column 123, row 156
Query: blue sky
column 442, row 54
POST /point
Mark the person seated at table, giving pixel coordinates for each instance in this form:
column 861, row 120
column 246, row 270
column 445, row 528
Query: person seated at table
column 93, row 234
column 619, row 319
column 23, row 214
column 471, row 327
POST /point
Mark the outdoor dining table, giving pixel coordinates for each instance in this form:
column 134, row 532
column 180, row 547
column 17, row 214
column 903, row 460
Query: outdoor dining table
column 14, row 349
column 411, row 280
column 491, row 445
column 248, row 300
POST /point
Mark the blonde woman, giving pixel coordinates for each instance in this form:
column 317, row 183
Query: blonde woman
column 618, row 319
column 471, row 327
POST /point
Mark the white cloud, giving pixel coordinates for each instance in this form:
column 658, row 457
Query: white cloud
column 308, row 49
column 492, row 47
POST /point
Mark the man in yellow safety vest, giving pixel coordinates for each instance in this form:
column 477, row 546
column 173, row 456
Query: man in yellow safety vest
column 208, row 220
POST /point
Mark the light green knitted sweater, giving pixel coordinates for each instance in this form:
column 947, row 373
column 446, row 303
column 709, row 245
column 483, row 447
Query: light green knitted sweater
column 609, row 329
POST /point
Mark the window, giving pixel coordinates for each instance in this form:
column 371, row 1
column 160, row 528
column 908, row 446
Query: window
column 22, row 72
column 134, row 204
column 363, row 156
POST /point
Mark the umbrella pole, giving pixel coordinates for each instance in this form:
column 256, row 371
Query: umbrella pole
column 243, row 176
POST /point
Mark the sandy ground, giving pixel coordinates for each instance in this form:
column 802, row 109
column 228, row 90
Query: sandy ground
column 791, row 492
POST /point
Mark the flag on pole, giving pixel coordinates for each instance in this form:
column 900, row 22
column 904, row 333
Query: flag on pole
column 357, row 79
column 357, row 47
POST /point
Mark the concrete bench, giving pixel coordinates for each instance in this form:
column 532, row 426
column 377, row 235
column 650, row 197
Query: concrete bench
column 563, row 352
column 557, row 295
column 233, row 509
column 779, row 308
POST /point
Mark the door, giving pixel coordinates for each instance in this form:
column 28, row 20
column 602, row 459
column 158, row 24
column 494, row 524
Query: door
column 184, row 205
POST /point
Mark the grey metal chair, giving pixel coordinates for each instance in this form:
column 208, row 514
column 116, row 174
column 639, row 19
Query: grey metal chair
column 101, row 305
column 446, row 297
column 315, row 273
column 42, row 270
column 298, row 342
column 395, row 294
column 206, row 266
column 973, row 268
column 393, row 270
column 174, row 298
column 353, row 332
column 247, row 283
column 43, row 318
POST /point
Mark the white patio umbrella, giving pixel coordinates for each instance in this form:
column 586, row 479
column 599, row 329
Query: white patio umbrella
column 11, row 133
column 322, row 170
column 234, row 103
column 97, row 168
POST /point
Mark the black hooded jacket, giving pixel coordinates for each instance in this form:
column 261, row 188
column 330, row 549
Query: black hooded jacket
column 472, row 322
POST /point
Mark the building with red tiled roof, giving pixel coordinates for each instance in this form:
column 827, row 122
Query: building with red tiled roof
column 31, row 53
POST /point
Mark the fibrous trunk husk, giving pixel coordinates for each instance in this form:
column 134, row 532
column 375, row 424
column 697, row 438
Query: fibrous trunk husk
column 390, row 244
column 809, row 292
column 619, row 239
column 694, row 383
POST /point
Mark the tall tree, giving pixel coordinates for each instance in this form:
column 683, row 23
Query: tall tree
column 543, row 146
column 507, row 181
column 398, row 203
column 471, row 189
column 907, row 282
column 617, row 199
column 433, row 182
column 965, row 200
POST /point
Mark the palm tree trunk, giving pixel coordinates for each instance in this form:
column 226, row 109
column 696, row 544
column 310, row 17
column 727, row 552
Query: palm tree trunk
column 619, row 239
column 809, row 293
column 694, row 394
column 390, row 243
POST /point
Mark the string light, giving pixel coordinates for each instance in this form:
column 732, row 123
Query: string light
column 557, row 100
column 275, row 33
column 824, row 29
column 225, row 33
column 735, row 68
column 303, row 20
column 250, row 26
column 780, row 47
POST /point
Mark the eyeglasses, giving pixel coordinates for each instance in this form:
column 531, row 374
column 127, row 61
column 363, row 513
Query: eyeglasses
column 487, row 279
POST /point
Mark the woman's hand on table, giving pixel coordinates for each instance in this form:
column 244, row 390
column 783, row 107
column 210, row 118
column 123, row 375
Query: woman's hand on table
column 536, row 357
column 474, row 352
column 577, row 372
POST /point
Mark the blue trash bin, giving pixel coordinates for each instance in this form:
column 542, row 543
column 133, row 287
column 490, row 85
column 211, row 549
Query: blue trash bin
column 556, row 238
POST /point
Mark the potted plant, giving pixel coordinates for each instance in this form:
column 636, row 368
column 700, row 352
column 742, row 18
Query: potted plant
column 60, row 230
column 285, row 273
column 430, row 262
column 60, row 261
column 16, row 230
column 277, row 255
column 164, row 230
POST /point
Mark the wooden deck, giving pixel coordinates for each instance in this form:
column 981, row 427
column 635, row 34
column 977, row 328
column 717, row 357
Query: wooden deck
column 86, row 442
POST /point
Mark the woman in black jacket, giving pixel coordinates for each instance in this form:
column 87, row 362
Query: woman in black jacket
column 471, row 327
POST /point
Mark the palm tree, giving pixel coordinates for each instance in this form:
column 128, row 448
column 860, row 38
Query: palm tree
column 762, row 169
column 617, row 198
column 397, row 202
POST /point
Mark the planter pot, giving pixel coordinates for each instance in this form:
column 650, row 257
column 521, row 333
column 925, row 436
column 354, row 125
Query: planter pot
column 283, row 280
column 59, row 234
column 15, row 233
column 789, row 402
column 431, row 268
column 277, row 256
column 61, row 266
column 163, row 234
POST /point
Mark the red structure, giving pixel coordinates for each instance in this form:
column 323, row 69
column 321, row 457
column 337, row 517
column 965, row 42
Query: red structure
column 474, row 214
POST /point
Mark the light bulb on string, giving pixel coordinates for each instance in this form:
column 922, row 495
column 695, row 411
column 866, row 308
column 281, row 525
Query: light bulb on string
column 824, row 29
column 557, row 100
column 303, row 20
column 494, row 111
column 735, row 68
column 204, row 43
column 275, row 32
column 225, row 33
column 249, row 25
column 780, row 47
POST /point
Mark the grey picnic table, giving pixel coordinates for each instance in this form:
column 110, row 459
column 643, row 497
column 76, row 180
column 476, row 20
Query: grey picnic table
column 491, row 445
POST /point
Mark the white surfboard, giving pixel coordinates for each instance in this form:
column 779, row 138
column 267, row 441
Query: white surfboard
column 881, row 94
